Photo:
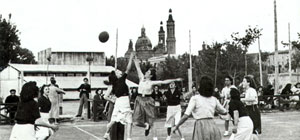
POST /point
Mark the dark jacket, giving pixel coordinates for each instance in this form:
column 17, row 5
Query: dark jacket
column 87, row 88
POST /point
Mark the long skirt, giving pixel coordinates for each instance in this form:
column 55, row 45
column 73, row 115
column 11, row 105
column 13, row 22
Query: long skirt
column 254, row 114
column 54, row 111
column 22, row 132
column 244, row 129
column 206, row 129
column 144, row 111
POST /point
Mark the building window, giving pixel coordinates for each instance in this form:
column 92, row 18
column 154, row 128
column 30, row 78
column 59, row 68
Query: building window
column 79, row 74
column 59, row 74
column 70, row 74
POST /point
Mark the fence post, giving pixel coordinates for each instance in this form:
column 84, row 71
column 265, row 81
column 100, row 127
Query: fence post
column 279, row 107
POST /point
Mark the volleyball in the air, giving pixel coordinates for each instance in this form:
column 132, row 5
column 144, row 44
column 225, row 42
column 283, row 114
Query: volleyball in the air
column 103, row 36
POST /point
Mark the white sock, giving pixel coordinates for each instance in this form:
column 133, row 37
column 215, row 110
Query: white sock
column 147, row 126
column 155, row 138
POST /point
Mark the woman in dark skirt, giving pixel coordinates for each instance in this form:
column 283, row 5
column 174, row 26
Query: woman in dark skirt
column 251, row 101
column 28, row 114
column 203, row 107
column 144, row 107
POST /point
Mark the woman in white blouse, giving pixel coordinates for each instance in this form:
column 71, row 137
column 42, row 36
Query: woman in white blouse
column 203, row 107
column 251, row 101
column 144, row 107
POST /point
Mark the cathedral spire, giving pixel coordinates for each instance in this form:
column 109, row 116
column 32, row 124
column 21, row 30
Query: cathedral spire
column 130, row 46
column 171, row 40
column 161, row 34
column 143, row 31
column 170, row 16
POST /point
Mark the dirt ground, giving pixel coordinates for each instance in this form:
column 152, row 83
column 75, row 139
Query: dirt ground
column 275, row 126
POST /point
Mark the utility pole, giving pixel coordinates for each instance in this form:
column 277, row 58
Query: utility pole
column 276, row 49
column 217, row 47
column 260, row 67
column 90, row 60
column 290, row 57
column 116, row 54
column 290, row 53
column 190, row 77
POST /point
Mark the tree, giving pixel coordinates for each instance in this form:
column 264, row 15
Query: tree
column 10, row 50
column 247, row 40
column 296, row 55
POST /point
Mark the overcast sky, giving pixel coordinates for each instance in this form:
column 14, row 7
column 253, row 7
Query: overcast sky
column 74, row 25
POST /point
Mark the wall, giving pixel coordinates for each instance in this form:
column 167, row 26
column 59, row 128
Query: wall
column 284, row 78
column 71, row 58
column 9, row 79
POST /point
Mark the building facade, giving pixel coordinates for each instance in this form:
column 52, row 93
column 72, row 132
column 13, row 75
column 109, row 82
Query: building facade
column 68, row 77
column 70, row 58
column 166, row 45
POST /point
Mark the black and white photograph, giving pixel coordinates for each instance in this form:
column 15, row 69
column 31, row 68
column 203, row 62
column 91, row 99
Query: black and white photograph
column 149, row 70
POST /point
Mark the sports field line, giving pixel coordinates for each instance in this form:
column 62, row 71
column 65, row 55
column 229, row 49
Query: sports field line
column 88, row 133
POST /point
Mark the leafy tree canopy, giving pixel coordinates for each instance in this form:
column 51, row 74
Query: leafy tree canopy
column 10, row 50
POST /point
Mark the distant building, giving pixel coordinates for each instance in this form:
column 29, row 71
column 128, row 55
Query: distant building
column 70, row 58
column 68, row 77
column 143, row 45
column 156, row 60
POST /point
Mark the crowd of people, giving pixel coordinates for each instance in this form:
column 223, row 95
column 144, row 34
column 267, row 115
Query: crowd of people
column 37, row 113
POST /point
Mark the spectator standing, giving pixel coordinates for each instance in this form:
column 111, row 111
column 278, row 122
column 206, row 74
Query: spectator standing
column 158, row 98
column 85, row 90
column 11, row 109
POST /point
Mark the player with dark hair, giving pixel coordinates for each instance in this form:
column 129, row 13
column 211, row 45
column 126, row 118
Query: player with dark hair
column 251, row 101
column 203, row 107
column 144, row 107
column 28, row 114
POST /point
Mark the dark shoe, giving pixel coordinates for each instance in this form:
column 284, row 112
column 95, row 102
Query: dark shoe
column 147, row 131
column 78, row 116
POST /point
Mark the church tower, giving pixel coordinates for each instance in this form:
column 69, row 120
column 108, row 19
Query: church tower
column 161, row 34
column 130, row 49
column 171, row 41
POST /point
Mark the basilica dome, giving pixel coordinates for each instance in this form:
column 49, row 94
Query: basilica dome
column 143, row 42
